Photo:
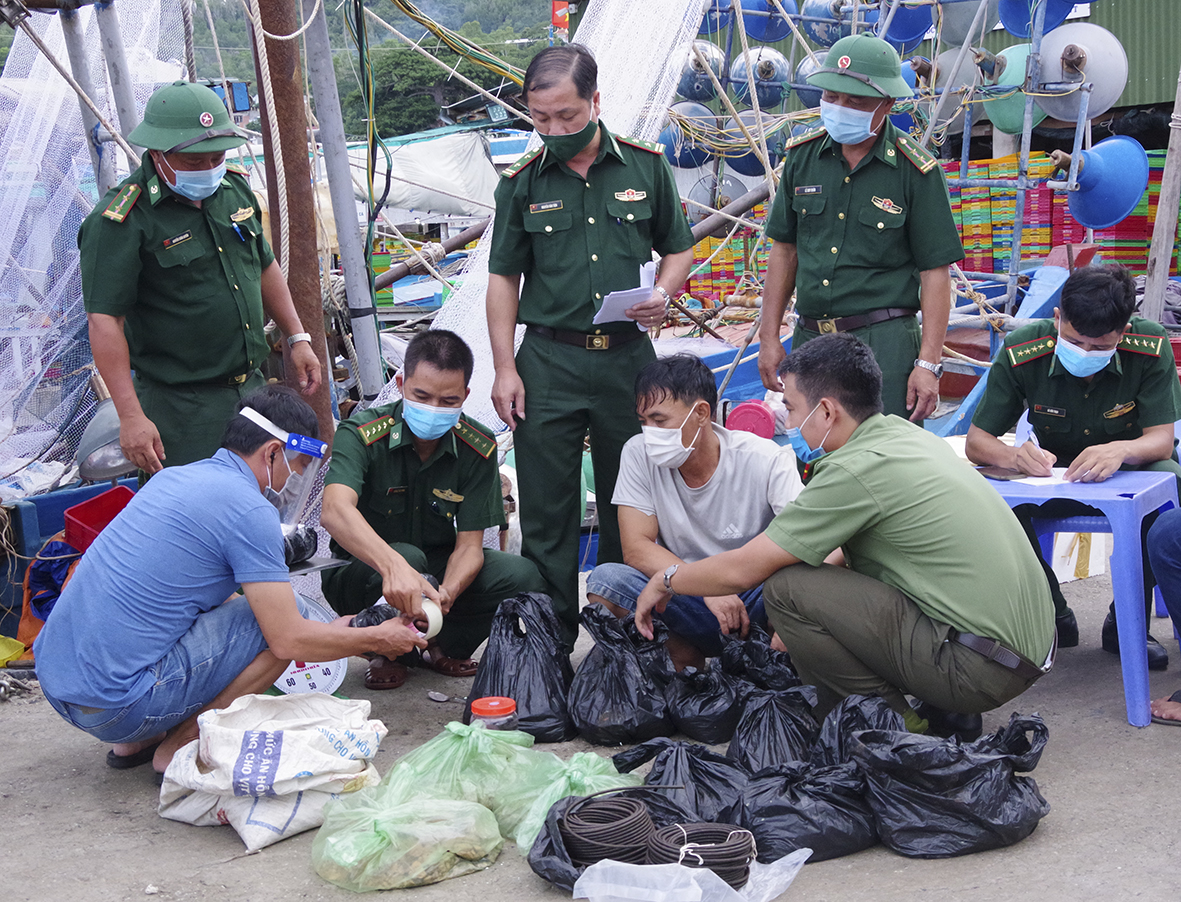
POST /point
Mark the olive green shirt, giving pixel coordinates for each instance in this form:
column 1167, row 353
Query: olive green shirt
column 862, row 236
column 909, row 513
column 576, row 240
column 1138, row 388
column 186, row 279
column 405, row 499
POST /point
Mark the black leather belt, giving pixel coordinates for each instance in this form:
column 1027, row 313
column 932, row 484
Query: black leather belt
column 857, row 321
column 1006, row 657
column 597, row 342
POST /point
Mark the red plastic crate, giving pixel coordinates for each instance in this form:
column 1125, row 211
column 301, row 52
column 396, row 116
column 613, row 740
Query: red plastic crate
column 86, row 520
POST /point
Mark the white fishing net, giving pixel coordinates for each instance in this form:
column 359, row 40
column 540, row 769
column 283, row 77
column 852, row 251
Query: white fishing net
column 47, row 186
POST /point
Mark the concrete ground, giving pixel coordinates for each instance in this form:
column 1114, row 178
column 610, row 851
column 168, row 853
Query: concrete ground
column 74, row 829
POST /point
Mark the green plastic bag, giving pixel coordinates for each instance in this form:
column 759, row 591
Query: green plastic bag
column 367, row 844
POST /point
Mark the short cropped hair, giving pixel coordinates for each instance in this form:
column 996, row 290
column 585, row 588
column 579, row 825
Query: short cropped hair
column 1098, row 300
column 681, row 377
column 554, row 64
column 838, row 366
column 440, row 348
column 279, row 404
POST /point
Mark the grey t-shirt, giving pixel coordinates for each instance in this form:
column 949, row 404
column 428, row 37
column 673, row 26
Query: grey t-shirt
column 754, row 480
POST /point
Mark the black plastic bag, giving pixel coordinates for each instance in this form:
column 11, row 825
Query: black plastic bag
column 775, row 728
column 525, row 661
column 854, row 714
column 704, row 782
column 548, row 855
column 617, row 695
column 936, row 798
column 705, row 705
column 797, row 806
column 754, row 660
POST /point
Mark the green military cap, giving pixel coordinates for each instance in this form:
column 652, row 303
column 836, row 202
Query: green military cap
column 864, row 66
column 189, row 118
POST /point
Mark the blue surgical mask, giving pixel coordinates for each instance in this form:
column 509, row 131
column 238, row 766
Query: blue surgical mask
column 428, row 422
column 805, row 453
column 1079, row 362
column 844, row 125
column 199, row 184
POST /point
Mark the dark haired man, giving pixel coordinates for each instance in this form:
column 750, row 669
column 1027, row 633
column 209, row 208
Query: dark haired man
column 411, row 488
column 689, row 488
column 1102, row 393
column 942, row 599
column 150, row 631
column 576, row 218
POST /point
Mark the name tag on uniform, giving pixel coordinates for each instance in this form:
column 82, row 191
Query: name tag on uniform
column 177, row 239
column 545, row 207
column 809, row 189
column 1049, row 411
column 396, row 490
column 1119, row 410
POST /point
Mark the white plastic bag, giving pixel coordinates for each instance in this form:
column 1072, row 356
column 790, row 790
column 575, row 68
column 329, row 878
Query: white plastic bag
column 267, row 765
column 615, row 881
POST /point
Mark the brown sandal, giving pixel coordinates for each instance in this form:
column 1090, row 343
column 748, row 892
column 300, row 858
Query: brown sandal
column 452, row 667
column 385, row 674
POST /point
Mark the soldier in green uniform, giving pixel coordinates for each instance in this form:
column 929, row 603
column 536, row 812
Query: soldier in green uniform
column 411, row 488
column 577, row 218
column 862, row 231
column 1102, row 393
column 178, row 282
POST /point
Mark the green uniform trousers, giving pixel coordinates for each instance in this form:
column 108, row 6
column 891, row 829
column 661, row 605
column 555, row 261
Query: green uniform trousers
column 568, row 390
column 354, row 587
column 191, row 417
column 1060, row 508
column 895, row 344
column 849, row 634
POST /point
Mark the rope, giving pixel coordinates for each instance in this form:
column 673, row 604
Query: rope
column 725, row 850
column 295, row 34
column 225, row 86
column 765, row 157
column 618, row 828
column 186, row 15
column 276, row 140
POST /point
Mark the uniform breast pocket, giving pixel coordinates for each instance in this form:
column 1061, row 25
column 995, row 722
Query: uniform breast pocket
column 439, row 523
column 551, row 237
column 392, row 504
column 631, row 225
column 880, row 222
column 180, row 254
column 1122, row 422
column 1048, row 424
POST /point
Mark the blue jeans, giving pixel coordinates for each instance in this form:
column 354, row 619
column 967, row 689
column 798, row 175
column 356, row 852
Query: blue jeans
column 686, row 615
column 1164, row 554
column 216, row 649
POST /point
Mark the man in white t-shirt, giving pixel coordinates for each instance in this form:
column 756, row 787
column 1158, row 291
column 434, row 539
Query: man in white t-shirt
column 688, row 489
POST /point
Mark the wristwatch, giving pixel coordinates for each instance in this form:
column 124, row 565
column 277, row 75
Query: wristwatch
column 668, row 577
column 936, row 368
column 664, row 294
column 293, row 340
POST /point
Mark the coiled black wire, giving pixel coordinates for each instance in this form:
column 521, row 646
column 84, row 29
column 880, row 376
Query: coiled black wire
column 616, row 828
column 724, row 849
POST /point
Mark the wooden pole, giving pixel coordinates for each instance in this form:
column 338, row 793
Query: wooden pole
column 303, row 270
column 1164, row 229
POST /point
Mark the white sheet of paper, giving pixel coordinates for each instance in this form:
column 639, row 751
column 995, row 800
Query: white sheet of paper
column 1055, row 479
column 617, row 302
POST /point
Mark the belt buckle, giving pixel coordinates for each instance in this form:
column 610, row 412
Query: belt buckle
column 238, row 380
column 827, row 326
column 598, row 342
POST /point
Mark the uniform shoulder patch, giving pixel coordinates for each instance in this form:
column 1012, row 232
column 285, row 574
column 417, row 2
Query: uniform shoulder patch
column 522, row 162
column 238, row 169
column 1149, row 345
column 1031, row 350
column 922, row 158
column 471, row 435
column 804, row 138
column 122, row 203
column 650, row 146
column 376, row 429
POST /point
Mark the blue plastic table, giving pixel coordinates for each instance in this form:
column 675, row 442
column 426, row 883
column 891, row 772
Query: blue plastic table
column 1125, row 500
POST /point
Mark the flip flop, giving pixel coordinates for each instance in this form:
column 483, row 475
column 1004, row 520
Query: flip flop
column 385, row 674
column 1175, row 697
column 452, row 667
column 126, row 762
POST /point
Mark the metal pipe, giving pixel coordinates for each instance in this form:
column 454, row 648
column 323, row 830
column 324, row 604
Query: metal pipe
column 1076, row 156
column 121, row 84
column 455, row 242
column 955, row 70
column 1164, row 228
column 104, row 169
column 734, row 208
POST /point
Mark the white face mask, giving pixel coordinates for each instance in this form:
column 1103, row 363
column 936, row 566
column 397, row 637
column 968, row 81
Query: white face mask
column 663, row 444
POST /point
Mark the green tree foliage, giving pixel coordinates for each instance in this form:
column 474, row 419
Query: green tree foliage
column 5, row 44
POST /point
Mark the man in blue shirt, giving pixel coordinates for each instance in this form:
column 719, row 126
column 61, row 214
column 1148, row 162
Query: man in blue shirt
column 151, row 630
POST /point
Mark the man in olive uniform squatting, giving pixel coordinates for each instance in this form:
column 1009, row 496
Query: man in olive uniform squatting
column 942, row 598
column 1102, row 393
column 411, row 488
column 862, row 230
column 577, row 218
column 178, row 282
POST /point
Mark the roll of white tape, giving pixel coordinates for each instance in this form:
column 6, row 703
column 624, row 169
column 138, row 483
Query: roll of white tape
column 434, row 617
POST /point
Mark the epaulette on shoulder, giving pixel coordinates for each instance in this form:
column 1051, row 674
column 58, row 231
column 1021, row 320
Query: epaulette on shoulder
column 522, row 162
column 376, row 429
column 238, row 169
column 650, row 146
column 471, row 435
column 1031, row 350
column 1149, row 345
column 122, row 203
column 804, row 138
column 922, row 158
